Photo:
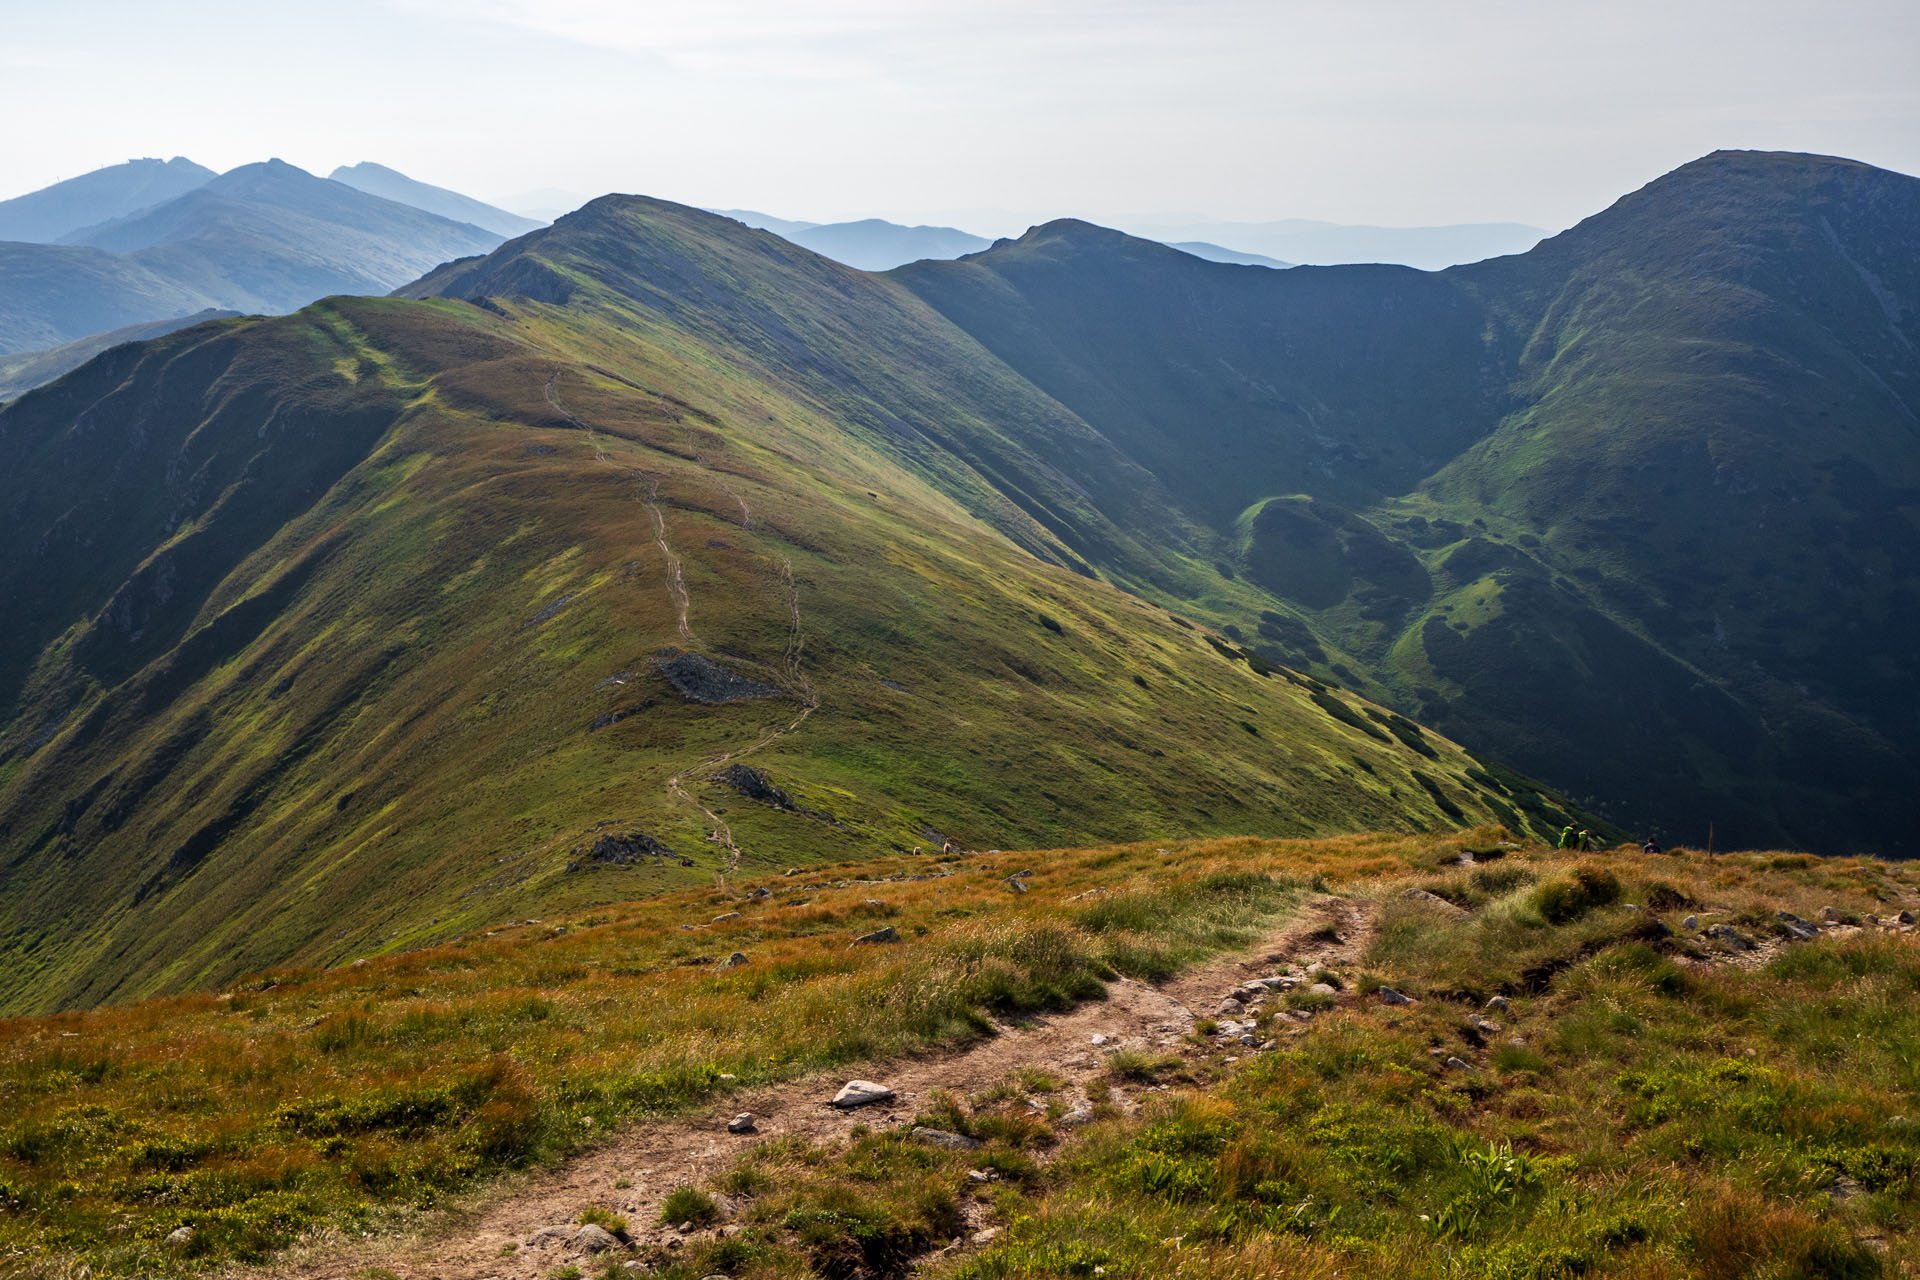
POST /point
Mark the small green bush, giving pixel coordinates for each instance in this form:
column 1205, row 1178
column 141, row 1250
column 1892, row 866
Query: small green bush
column 1565, row 898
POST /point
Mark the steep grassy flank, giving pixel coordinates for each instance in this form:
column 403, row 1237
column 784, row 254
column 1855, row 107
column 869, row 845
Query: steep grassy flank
column 1659, row 1114
column 391, row 648
column 1636, row 510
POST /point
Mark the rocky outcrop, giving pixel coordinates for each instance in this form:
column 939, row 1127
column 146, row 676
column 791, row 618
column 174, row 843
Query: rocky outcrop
column 701, row 679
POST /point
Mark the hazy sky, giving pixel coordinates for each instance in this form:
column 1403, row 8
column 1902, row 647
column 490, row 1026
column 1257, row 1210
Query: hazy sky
column 1397, row 112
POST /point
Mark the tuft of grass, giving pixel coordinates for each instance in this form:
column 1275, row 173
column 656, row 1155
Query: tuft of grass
column 689, row 1204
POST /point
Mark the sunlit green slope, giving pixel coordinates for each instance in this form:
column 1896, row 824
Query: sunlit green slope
column 350, row 630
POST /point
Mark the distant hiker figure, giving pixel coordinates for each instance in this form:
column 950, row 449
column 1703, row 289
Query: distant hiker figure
column 949, row 847
column 1568, row 840
column 1586, row 841
column 1651, row 846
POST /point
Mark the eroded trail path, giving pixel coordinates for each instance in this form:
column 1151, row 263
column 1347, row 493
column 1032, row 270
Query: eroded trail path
column 659, row 1156
column 789, row 674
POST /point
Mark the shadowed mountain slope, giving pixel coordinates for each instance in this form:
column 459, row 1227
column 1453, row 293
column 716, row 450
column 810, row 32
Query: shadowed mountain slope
column 53, row 294
column 352, row 629
column 34, row 368
column 1635, row 510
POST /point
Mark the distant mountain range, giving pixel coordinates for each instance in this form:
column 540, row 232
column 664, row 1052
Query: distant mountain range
column 43, row 216
column 873, row 244
column 391, row 184
column 146, row 242
column 1331, row 243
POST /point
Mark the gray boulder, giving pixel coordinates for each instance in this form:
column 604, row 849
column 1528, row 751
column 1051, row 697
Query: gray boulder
column 592, row 1239
column 945, row 1138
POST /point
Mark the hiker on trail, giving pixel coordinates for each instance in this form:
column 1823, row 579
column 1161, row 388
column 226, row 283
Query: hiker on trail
column 1651, row 846
column 1586, row 840
column 1568, row 840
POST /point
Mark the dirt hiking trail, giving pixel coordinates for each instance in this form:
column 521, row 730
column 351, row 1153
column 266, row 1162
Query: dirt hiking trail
column 656, row 1157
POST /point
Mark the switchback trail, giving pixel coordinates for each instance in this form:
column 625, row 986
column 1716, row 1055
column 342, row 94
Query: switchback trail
column 498, row 1235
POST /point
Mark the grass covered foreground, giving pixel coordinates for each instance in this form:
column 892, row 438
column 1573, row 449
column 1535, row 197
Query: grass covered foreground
column 1656, row 1100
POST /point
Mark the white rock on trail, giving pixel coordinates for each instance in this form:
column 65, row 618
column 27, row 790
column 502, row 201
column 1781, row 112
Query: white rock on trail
column 860, row 1093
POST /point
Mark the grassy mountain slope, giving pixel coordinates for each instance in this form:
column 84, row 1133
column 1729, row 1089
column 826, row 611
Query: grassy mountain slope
column 393, row 642
column 43, row 216
column 391, row 184
column 1682, row 1081
column 1633, row 510
column 35, row 368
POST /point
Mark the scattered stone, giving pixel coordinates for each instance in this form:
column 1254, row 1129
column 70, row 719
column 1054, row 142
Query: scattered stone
column 1801, row 929
column 548, row 1235
column 860, row 1093
column 743, row 1123
column 1457, row 1065
column 622, row 851
column 982, row 1176
column 594, row 1239
column 1732, row 937
column 754, row 785
column 1231, row 1007
column 727, row 1077
column 1484, row 1026
column 1269, row 1044
column 1389, row 996
column 1829, row 915
column 726, row 915
column 1324, row 989
column 1249, row 1039
column 1690, row 923
column 761, row 892
column 1099, row 1040
column 791, row 871
column 180, row 1237
column 737, row 959
column 945, row 1138
column 1435, row 900
column 1078, row 1114
column 1017, row 886
column 1905, row 917
column 985, row 1235
column 888, row 934
column 1502, row 1004
column 701, row 679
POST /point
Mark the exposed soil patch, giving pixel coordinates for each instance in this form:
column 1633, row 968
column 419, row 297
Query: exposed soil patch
column 657, row 1157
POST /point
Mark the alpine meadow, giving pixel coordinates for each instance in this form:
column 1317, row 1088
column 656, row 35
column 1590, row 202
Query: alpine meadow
column 1169, row 740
